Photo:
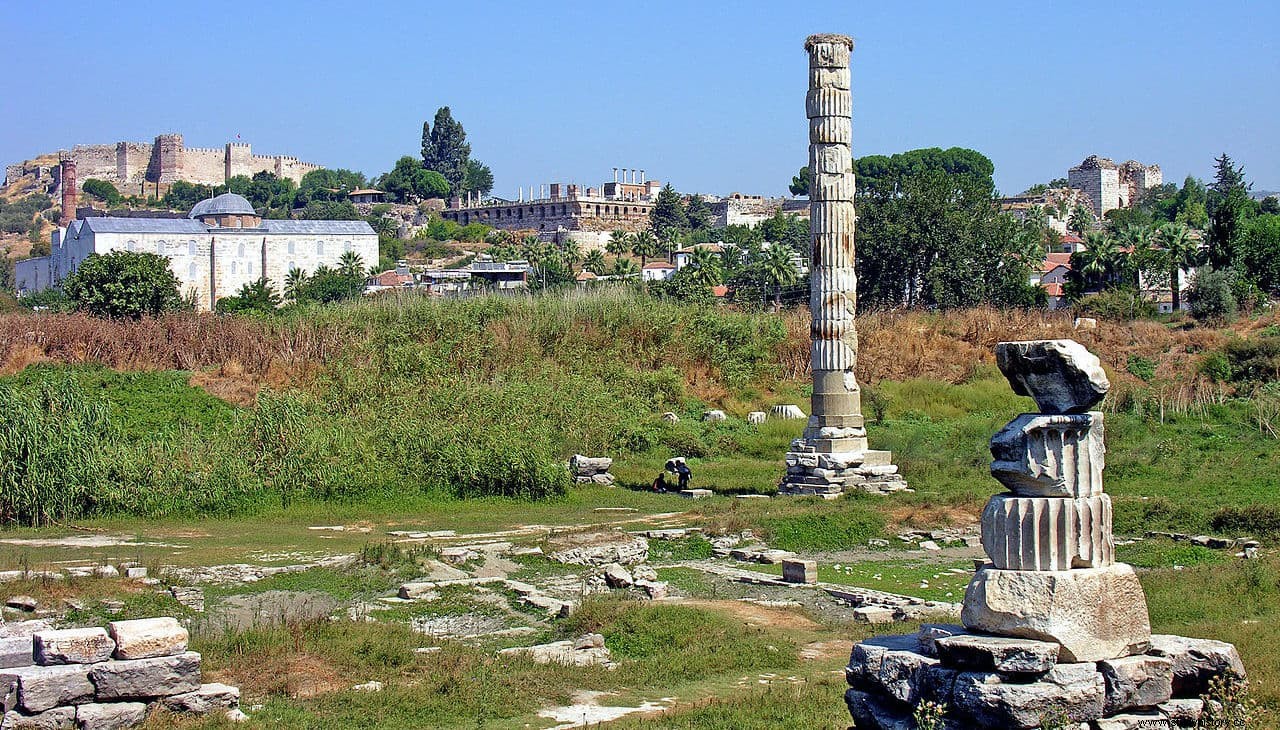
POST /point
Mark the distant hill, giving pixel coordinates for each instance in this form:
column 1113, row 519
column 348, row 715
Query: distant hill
column 1261, row 194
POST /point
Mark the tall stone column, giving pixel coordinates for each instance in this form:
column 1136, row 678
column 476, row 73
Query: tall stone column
column 833, row 454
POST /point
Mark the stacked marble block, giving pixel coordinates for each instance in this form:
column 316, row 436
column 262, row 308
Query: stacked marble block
column 1052, row 623
column 591, row 470
column 96, row 679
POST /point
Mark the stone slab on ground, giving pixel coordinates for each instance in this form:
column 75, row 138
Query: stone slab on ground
column 565, row 653
column 1094, row 613
column 110, row 715
column 73, row 646
column 800, row 571
column 997, row 653
column 44, row 688
column 696, row 493
column 148, row 637
column 1133, row 720
column 1196, row 662
column 203, row 700
column 155, row 677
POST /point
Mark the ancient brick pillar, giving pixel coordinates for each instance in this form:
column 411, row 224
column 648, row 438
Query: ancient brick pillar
column 68, row 191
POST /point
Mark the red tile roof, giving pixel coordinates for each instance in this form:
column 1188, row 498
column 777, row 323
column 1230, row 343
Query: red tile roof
column 719, row 290
column 659, row 265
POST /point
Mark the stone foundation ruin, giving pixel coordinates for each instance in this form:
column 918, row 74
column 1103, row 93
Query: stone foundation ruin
column 1054, row 629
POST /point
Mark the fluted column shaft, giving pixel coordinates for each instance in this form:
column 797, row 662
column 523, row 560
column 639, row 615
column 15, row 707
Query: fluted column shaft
column 836, row 423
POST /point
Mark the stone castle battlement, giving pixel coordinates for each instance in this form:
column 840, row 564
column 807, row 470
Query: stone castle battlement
column 131, row 165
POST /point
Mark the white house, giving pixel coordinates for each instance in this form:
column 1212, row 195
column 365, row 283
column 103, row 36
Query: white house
column 219, row 247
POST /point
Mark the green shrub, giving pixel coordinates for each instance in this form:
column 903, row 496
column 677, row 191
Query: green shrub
column 1215, row 366
column 1119, row 305
column 1257, row 520
column 1211, row 297
column 825, row 531
column 1255, row 360
column 1141, row 368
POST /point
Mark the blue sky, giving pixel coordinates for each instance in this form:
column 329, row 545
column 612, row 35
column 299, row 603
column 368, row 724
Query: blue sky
column 707, row 95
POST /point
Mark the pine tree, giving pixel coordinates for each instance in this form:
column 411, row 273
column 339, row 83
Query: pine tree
column 445, row 148
column 1229, row 202
column 668, row 217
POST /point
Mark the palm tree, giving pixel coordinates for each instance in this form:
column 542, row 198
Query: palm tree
column 618, row 243
column 293, row 283
column 594, row 262
column 1099, row 257
column 644, row 245
column 778, row 270
column 706, row 266
column 1183, row 255
column 571, row 252
column 624, row 268
column 351, row 265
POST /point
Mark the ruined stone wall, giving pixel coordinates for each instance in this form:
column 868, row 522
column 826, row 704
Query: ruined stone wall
column 204, row 165
column 1102, row 185
column 292, row 168
column 96, row 161
column 132, row 159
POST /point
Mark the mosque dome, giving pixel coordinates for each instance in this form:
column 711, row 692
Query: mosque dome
column 225, row 204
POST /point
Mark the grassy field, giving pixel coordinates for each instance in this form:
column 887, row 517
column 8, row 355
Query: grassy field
column 213, row 441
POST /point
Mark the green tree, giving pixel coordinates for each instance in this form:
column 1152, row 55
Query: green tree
column 1099, row 262
column 409, row 180
column 779, row 270
column 668, row 217
column 698, row 213
column 1257, row 252
column 705, row 267
column 594, row 262
column 1228, row 205
column 445, row 149
column 644, row 245
column 326, row 184
column 477, row 178
column 1182, row 255
column 800, row 183
column 102, row 190
column 326, row 285
column 930, row 234
column 183, row 195
column 1081, row 220
column 257, row 296
column 294, row 281
column 124, row 285
column 624, row 268
column 1211, row 296
column 351, row 265
column 619, row 243
column 325, row 210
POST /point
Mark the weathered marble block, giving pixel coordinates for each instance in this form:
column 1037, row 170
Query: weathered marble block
column 1061, row 375
column 1136, row 681
column 1048, row 533
column 110, row 716
column 1196, row 662
column 997, row 654
column 73, row 646
column 37, row 689
column 1094, row 613
column 59, row 718
column 148, row 637
column 155, row 677
column 17, row 651
column 1077, row 690
column 1039, row 455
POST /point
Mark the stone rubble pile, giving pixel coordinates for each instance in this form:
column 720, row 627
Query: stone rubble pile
column 591, row 470
column 96, row 679
column 1052, row 624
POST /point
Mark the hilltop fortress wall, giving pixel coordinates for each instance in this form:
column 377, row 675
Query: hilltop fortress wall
column 130, row 165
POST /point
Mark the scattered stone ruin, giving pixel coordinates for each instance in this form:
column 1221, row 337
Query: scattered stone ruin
column 832, row 455
column 94, row 678
column 1054, row 629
